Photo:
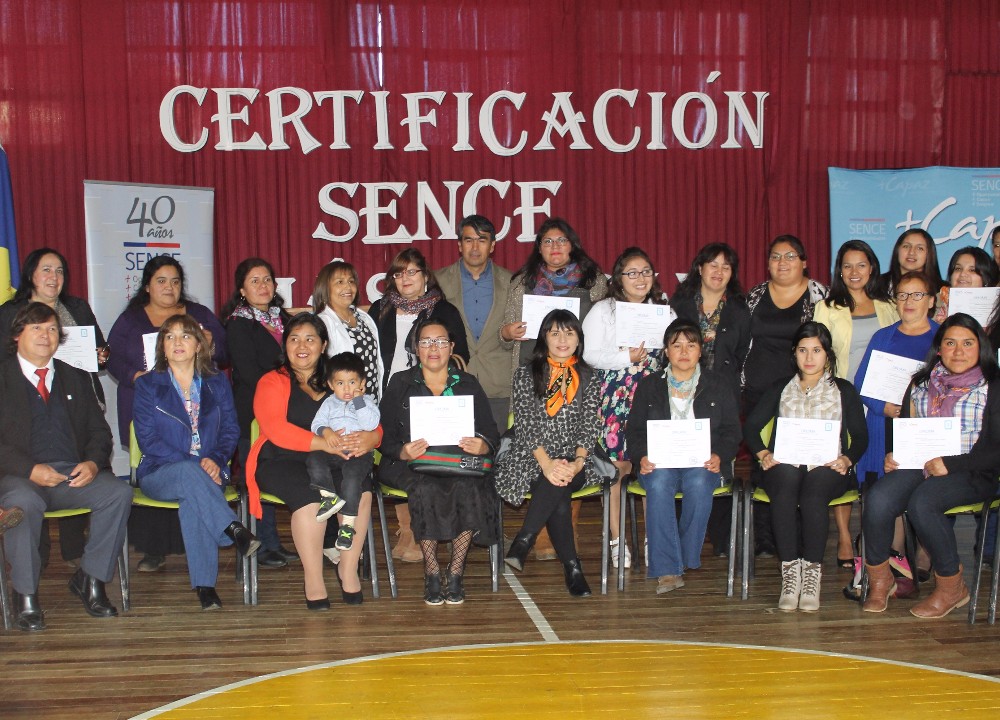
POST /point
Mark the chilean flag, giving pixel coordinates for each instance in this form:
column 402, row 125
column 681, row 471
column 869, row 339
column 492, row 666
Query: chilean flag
column 9, row 263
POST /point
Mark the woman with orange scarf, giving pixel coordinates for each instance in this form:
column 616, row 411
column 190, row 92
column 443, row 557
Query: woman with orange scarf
column 555, row 399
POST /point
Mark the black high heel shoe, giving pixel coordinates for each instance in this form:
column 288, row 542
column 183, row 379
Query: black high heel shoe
column 321, row 604
column 518, row 551
column 576, row 583
column 352, row 598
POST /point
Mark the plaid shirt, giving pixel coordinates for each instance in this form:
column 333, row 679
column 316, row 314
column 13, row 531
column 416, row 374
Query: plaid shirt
column 969, row 409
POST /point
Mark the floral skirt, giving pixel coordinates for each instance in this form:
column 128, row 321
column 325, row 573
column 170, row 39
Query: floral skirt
column 617, row 392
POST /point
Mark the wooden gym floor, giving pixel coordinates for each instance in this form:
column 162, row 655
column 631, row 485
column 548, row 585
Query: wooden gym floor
column 525, row 651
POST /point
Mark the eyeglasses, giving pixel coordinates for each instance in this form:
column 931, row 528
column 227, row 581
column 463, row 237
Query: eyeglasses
column 555, row 242
column 789, row 256
column 636, row 274
column 409, row 273
column 918, row 296
column 434, row 343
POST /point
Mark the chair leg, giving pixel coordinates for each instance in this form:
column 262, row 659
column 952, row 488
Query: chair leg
column 5, row 599
column 639, row 558
column 984, row 517
column 910, row 551
column 747, row 541
column 123, row 575
column 734, row 523
column 605, row 538
column 621, row 534
column 994, row 580
column 243, row 563
column 372, row 560
column 251, row 573
column 390, row 567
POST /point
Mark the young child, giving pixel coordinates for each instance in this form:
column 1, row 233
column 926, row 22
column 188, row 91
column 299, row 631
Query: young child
column 350, row 410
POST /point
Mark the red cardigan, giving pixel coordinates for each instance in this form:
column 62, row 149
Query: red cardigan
column 270, row 408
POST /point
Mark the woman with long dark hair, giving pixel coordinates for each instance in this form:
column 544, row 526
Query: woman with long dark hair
column 956, row 381
column 555, row 415
column 855, row 309
column 800, row 494
column 914, row 251
column 970, row 267
column 412, row 294
column 557, row 266
column 255, row 317
column 633, row 280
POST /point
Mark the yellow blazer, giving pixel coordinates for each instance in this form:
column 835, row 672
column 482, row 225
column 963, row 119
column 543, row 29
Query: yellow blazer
column 838, row 319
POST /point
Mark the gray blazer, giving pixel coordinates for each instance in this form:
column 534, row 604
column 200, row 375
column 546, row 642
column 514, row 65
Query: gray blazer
column 489, row 362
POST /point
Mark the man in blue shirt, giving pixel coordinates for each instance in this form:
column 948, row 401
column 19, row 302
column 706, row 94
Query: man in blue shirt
column 478, row 287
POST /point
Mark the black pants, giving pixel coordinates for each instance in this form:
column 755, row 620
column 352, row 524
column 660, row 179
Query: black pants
column 800, row 508
column 343, row 477
column 550, row 508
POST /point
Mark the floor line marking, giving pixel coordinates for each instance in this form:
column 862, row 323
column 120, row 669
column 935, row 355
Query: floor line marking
column 536, row 616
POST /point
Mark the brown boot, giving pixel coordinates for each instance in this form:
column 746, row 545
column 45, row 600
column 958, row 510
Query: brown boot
column 881, row 584
column 406, row 548
column 949, row 593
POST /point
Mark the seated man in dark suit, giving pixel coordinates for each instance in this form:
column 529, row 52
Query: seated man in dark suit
column 55, row 454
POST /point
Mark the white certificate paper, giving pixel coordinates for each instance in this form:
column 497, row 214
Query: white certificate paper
column 536, row 307
column 888, row 376
column 149, row 349
column 80, row 348
column 807, row 442
column 977, row 302
column 442, row 420
column 679, row 443
column 637, row 323
column 917, row 440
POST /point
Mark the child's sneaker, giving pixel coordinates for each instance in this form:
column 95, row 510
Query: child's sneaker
column 345, row 538
column 328, row 506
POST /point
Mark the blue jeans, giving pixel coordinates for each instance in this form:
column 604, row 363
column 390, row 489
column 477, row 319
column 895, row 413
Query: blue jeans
column 924, row 500
column 672, row 546
column 204, row 515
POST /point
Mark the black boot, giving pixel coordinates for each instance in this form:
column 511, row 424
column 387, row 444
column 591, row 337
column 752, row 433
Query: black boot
column 246, row 544
column 576, row 583
column 456, row 590
column 91, row 591
column 208, row 598
column 518, row 551
column 29, row 612
column 432, row 590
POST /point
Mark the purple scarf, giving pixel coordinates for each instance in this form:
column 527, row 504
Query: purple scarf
column 557, row 283
column 944, row 389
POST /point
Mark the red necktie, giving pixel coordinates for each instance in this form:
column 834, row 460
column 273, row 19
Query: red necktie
column 42, row 390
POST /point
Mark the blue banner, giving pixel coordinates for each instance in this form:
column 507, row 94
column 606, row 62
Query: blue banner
column 957, row 206
column 10, row 266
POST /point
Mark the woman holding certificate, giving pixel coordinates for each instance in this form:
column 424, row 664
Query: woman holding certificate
column 633, row 280
column 558, row 267
column 557, row 425
column 970, row 267
column 955, row 382
column 805, row 463
column 443, row 509
column 683, row 391
column 412, row 293
column 777, row 308
column 856, row 307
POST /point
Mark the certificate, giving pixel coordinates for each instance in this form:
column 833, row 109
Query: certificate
column 917, row 440
column 442, row 420
column 536, row 307
column 80, row 348
column 807, row 442
column 638, row 323
column 888, row 376
column 679, row 443
column 977, row 302
column 149, row 349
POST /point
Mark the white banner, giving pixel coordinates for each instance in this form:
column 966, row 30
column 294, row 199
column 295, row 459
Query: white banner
column 127, row 224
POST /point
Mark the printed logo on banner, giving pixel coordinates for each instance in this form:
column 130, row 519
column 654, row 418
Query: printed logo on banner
column 152, row 220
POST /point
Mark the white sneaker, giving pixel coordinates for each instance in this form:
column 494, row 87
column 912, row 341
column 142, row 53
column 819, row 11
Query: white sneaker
column 812, row 574
column 791, row 585
column 614, row 554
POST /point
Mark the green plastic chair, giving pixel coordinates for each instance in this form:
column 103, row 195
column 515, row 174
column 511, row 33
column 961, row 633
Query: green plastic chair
column 250, row 567
column 140, row 499
column 633, row 489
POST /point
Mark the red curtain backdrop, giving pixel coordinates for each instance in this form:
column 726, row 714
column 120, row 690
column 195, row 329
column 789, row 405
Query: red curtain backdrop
column 854, row 84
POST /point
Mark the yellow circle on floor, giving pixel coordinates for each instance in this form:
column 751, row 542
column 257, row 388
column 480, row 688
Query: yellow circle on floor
column 573, row 679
